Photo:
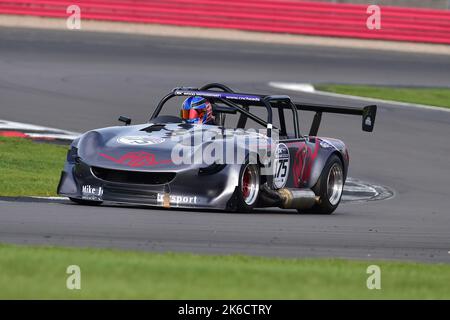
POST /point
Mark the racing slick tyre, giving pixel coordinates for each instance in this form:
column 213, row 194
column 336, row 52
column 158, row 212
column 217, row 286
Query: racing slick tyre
column 329, row 187
column 248, row 188
column 86, row 202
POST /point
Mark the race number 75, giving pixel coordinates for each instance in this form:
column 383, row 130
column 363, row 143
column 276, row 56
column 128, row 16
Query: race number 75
column 282, row 167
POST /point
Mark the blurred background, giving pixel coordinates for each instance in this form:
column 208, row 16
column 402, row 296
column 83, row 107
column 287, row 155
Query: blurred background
column 435, row 4
column 400, row 20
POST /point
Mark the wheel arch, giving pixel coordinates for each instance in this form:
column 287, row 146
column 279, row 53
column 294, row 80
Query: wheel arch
column 320, row 162
column 344, row 163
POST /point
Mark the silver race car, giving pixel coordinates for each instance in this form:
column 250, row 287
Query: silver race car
column 255, row 162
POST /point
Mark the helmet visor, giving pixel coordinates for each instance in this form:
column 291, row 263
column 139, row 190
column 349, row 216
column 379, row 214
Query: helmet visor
column 192, row 114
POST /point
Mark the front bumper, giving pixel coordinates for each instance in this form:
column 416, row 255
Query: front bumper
column 188, row 189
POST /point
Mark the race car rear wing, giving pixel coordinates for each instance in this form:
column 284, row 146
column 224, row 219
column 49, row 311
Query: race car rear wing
column 368, row 114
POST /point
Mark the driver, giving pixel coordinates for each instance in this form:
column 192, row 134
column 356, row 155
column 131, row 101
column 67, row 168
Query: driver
column 197, row 110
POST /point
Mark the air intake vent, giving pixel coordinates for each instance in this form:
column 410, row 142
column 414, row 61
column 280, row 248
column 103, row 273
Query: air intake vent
column 154, row 127
column 133, row 177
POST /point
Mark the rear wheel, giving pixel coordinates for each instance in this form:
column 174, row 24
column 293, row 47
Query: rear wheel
column 329, row 187
column 86, row 202
column 248, row 189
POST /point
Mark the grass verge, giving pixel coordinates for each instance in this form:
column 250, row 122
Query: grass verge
column 29, row 168
column 40, row 273
column 439, row 97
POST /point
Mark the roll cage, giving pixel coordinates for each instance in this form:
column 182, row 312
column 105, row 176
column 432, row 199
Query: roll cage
column 233, row 102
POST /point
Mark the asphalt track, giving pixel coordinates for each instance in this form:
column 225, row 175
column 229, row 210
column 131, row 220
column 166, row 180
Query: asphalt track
column 78, row 81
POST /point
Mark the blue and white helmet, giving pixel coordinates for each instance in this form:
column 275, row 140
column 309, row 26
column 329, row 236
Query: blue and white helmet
column 197, row 110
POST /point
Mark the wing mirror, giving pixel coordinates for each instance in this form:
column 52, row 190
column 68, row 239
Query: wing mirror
column 125, row 120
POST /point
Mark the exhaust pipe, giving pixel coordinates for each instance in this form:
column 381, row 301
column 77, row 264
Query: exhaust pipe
column 288, row 198
column 297, row 199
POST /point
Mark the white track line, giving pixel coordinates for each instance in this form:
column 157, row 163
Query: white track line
column 35, row 131
column 50, row 198
column 309, row 88
column 302, row 87
column 52, row 136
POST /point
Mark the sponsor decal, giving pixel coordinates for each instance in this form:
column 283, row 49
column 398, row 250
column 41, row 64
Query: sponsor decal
column 233, row 96
column 239, row 97
column 281, row 166
column 136, row 159
column 176, row 199
column 140, row 140
column 89, row 192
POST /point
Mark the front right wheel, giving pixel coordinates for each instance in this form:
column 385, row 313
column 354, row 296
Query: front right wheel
column 329, row 187
column 248, row 188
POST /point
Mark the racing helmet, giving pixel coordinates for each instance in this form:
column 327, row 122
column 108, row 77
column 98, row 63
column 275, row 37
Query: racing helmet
column 197, row 110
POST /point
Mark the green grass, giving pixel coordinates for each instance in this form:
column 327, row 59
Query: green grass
column 29, row 168
column 439, row 97
column 40, row 273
